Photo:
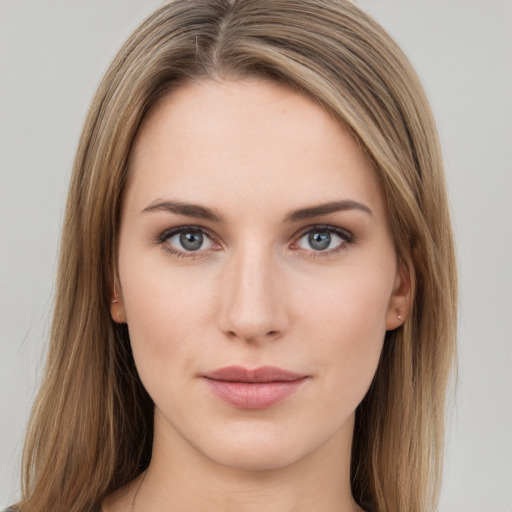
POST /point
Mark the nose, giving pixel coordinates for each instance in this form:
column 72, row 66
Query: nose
column 253, row 301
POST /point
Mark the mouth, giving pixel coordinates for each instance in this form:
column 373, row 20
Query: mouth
column 260, row 388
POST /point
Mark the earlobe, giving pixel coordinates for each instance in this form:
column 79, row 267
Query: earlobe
column 400, row 301
column 117, row 311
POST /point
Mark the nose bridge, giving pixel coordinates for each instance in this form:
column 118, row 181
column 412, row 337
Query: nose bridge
column 252, row 306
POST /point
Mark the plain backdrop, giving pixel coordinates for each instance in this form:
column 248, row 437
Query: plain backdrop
column 52, row 54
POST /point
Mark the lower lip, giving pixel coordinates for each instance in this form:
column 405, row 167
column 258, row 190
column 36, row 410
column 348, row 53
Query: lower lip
column 254, row 395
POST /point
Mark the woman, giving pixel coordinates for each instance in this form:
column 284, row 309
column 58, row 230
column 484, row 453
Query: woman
column 256, row 299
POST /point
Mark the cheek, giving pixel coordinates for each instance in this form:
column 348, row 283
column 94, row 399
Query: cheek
column 167, row 313
column 348, row 323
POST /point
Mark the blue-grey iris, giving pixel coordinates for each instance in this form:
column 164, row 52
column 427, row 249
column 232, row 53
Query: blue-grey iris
column 191, row 240
column 319, row 240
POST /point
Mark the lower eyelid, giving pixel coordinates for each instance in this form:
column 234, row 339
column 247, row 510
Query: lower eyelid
column 169, row 249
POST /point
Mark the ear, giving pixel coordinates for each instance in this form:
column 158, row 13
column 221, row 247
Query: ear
column 117, row 311
column 400, row 301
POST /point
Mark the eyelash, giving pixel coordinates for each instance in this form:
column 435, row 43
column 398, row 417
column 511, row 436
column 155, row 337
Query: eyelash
column 162, row 240
column 346, row 236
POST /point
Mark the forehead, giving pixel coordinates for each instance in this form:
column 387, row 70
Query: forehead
column 251, row 141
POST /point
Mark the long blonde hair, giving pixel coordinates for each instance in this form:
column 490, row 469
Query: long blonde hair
column 91, row 427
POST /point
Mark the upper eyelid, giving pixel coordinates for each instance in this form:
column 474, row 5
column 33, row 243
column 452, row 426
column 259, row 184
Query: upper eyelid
column 326, row 227
column 167, row 233
column 207, row 231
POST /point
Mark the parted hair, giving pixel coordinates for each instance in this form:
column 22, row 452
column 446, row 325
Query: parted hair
column 92, row 423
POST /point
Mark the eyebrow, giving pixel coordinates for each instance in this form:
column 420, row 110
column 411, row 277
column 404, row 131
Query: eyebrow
column 325, row 209
column 202, row 212
column 187, row 209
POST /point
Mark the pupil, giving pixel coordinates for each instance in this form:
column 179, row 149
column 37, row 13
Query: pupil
column 319, row 240
column 191, row 241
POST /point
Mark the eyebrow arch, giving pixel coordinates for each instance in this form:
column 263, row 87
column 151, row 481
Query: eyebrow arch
column 325, row 209
column 187, row 209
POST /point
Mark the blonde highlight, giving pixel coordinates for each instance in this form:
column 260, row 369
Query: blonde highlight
column 92, row 410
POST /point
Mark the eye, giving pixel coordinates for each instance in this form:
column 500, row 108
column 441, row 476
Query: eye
column 324, row 239
column 186, row 239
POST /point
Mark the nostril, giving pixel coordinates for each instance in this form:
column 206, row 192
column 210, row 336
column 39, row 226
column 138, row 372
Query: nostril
column 251, row 337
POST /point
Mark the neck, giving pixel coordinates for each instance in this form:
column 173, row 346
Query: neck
column 180, row 478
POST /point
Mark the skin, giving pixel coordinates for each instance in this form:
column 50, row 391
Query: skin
column 256, row 293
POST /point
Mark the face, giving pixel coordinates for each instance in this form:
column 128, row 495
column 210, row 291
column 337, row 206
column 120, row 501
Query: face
column 257, row 272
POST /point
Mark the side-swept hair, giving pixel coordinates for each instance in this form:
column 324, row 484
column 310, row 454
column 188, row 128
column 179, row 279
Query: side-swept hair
column 92, row 423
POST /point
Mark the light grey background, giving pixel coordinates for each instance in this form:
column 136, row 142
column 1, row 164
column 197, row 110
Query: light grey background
column 52, row 54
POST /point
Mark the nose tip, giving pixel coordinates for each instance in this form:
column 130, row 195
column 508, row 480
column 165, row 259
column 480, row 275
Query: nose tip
column 253, row 307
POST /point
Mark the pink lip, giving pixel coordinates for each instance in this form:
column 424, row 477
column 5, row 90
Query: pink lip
column 253, row 389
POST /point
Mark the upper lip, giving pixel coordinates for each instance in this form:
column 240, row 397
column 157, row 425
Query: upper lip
column 262, row 374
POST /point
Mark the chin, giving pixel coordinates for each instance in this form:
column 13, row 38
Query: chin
column 261, row 447
column 256, row 458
